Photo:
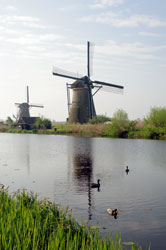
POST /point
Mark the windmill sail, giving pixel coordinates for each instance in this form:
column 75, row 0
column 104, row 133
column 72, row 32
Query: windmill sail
column 27, row 94
column 36, row 105
column 64, row 73
column 108, row 84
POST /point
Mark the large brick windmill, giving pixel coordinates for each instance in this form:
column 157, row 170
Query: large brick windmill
column 82, row 108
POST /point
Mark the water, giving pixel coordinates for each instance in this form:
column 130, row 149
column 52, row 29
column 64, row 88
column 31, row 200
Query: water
column 62, row 169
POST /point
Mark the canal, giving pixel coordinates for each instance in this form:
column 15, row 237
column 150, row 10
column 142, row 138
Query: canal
column 62, row 169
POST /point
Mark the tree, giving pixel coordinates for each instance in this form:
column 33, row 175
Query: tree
column 99, row 119
column 43, row 123
column 156, row 117
column 47, row 123
column 119, row 124
column 120, row 118
column 9, row 121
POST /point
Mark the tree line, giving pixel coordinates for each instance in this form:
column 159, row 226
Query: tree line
column 153, row 126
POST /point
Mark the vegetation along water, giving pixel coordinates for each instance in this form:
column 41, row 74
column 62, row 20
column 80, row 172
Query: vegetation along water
column 153, row 126
column 26, row 223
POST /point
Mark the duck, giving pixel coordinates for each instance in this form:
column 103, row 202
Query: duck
column 112, row 212
column 127, row 169
column 96, row 185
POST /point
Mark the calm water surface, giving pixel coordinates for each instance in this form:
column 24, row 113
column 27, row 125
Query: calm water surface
column 62, row 169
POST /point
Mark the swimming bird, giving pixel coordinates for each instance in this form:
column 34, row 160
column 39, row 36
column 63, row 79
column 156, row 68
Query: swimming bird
column 112, row 212
column 127, row 169
column 96, row 185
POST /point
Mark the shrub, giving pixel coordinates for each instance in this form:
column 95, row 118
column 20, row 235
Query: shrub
column 119, row 125
column 9, row 121
column 43, row 123
column 120, row 118
column 99, row 119
column 156, row 117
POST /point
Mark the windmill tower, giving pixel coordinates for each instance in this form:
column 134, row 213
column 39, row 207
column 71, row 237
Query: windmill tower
column 82, row 107
column 23, row 108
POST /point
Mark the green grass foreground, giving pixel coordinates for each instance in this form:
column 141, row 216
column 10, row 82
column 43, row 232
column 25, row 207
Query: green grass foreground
column 26, row 223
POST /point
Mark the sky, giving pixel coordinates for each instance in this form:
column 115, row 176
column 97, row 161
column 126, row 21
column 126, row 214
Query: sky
column 129, row 40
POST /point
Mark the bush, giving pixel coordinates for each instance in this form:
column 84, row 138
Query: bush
column 119, row 125
column 120, row 118
column 9, row 121
column 43, row 123
column 99, row 119
column 156, row 117
column 149, row 133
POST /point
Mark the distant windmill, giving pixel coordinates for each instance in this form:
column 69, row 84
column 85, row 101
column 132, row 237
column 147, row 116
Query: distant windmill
column 82, row 107
column 23, row 108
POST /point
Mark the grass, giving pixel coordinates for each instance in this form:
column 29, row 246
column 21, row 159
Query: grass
column 85, row 130
column 26, row 223
column 136, row 131
column 88, row 130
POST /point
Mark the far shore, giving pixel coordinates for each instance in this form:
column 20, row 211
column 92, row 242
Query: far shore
column 93, row 130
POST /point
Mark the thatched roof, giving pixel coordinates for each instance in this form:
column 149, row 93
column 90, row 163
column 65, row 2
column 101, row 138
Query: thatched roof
column 27, row 120
column 80, row 83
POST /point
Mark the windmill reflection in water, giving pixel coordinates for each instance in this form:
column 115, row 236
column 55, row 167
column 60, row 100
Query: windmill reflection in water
column 83, row 170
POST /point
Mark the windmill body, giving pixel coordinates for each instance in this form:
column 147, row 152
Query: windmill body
column 82, row 106
column 23, row 110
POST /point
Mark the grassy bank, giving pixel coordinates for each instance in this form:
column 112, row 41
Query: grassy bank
column 132, row 131
column 153, row 126
column 26, row 223
column 87, row 130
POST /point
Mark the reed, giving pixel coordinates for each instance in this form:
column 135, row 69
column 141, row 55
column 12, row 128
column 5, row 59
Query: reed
column 26, row 223
column 134, row 129
column 88, row 130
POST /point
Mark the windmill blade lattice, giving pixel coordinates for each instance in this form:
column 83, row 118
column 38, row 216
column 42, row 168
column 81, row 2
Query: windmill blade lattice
column 36, row 105
column 109, row 89
column 91, row 57
column 64, row 73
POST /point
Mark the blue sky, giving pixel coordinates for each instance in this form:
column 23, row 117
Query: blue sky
column 130, row 50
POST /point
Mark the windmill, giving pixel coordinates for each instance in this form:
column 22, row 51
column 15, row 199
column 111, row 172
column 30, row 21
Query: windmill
column 23, row 108
column 23, row 116
column 82, row 108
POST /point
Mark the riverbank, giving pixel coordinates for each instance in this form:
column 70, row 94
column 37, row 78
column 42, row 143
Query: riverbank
column 27, row 223
column 134, row 131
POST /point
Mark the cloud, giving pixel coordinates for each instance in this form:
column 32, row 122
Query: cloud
column 69, row 7
column 10, row 8
column 26, row 21
column 116, row 20
column 18, row 19
column 129, row 50
column 80, row 47
column 100, row 4
column 31, row 39
column 8, row 31
column 17, row 40
column 150, row 34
